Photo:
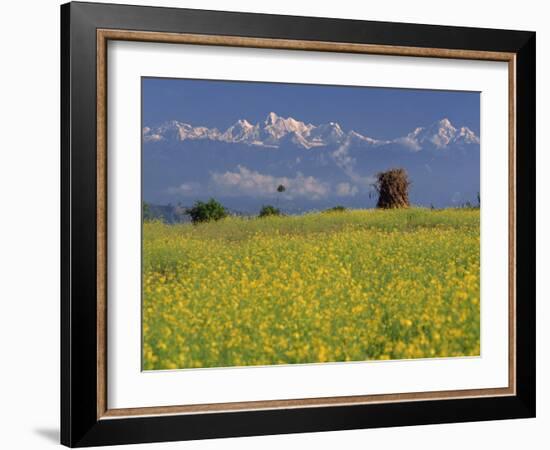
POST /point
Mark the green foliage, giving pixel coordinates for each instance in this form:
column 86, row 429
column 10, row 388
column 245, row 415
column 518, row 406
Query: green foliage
column 211, row 210
column 269, row 210
column 336, row 209
column 147, row 215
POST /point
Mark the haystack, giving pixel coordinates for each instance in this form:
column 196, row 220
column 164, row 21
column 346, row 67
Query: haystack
column 393, row 189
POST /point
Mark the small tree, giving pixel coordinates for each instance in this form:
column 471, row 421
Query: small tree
column 205, row 212
column 393, row 189
column 269, row 210
column 147, row 214
column 280, row 189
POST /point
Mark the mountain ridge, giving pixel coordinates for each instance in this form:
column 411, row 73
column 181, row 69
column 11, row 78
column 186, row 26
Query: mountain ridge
column 277, row 130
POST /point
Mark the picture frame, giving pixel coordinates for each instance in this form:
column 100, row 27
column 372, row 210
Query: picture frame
column 86, row 29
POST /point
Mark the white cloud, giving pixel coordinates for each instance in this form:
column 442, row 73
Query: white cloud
column 246, row 182
column 409, row 142
column 185, row 189
column 343, row 160
column 249, row 182
column 346, row 190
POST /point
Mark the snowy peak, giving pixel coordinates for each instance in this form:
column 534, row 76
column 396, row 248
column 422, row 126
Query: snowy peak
column 271, row 118
column 174, row 130
column 330, row 132
column 440, row 135
column 276, row 130
column 288, row 124
column 276, row 127
column 354, row 137
column 466, row 136
column 240, row 131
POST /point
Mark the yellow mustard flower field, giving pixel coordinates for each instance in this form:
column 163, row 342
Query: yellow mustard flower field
column 343, row 286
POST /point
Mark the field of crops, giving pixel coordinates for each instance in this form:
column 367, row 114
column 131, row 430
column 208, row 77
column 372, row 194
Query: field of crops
column 343, row 286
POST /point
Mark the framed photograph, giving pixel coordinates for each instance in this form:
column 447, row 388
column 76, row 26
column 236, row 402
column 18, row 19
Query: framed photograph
column 276, row 224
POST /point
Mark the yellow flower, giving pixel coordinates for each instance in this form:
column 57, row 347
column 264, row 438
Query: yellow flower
column 311, row 288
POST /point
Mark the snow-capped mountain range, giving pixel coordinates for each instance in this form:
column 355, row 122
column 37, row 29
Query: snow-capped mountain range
column 276, row 131
column 320, row 165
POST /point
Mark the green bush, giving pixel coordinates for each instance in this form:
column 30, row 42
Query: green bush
column 206, row 212
column 337, row 208
column 269, row 210
column 147, row 214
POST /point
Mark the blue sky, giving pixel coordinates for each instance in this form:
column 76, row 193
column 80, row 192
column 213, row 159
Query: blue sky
column 383, row 113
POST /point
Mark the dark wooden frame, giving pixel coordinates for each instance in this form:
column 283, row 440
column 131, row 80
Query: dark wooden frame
column 85, row 418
